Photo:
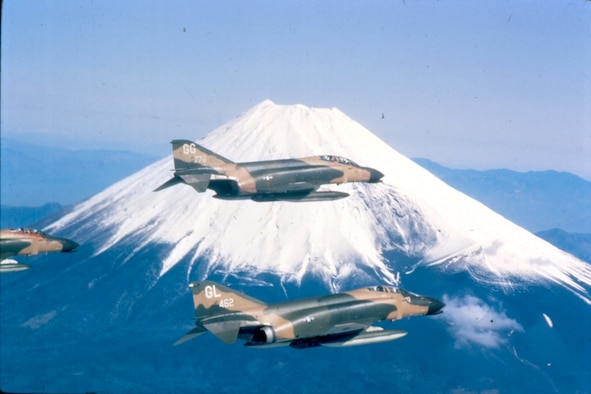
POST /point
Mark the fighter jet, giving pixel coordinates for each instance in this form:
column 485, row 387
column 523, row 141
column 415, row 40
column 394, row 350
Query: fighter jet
column 336, row 320
column 272, row 180
column 26, row 241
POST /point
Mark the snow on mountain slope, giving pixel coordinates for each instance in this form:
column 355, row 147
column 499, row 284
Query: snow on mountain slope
column 412, row 213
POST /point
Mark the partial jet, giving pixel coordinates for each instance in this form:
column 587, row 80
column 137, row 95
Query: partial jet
column 26, row 241
column 335, row 320
column 271, row 180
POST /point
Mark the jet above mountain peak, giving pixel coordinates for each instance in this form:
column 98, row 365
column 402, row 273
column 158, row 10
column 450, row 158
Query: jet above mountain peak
column 412, row 214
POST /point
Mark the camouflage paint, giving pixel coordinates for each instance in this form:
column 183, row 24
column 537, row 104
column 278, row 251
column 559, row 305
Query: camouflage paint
column 326, row 320
column 25, row 241
column 270, row 180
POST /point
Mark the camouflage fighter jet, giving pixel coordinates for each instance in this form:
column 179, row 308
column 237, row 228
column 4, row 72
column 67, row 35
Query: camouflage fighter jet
column 272, row 180
column 336, row 320
column 26, row 241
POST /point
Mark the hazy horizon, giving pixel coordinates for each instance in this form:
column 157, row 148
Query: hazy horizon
column 468, row 85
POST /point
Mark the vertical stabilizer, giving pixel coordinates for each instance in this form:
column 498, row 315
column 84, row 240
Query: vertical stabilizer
column 211, row 298
column 194, row 165
column 189, row 155
column 221, row 310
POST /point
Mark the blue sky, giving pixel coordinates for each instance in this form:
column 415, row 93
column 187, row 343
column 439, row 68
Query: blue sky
column 469, row 84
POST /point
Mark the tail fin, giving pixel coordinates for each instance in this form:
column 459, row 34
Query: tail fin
column 189, row 156
column 194, row 165
column 221, row 310
column 211, row 298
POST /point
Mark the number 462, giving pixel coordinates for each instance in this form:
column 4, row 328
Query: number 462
column 227, row 303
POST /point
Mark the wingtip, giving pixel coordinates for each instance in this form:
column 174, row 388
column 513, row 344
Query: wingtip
column 194, row 333
column 171, row 182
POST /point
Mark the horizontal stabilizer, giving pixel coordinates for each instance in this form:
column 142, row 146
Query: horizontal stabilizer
column 194, row 333
column 199, row 182
column 226, row 331
column 171, row 182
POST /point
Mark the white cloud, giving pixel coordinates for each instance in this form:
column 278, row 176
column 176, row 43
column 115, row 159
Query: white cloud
column 473, row 322
column 40, row 320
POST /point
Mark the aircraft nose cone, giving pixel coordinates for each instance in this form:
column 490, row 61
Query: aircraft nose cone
column 375, row 175
column 69, row 245
column 435, row 306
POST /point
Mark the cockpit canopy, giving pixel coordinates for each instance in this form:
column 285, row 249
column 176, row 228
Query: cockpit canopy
column 26, row 230
column 338, row 159
column 391, row 289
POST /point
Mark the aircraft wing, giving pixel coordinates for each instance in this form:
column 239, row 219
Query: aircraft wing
column 296, row 191
column 297, row 187
column 11, row 247
column 347, row 327
column 194, row 333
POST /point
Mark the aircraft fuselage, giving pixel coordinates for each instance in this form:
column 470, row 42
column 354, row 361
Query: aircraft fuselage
column 337, row 320
column 25, row 241
column 268, row 180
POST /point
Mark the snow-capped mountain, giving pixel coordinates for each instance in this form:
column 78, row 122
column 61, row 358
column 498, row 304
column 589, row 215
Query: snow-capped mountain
column 103, row 319
column 411, row 214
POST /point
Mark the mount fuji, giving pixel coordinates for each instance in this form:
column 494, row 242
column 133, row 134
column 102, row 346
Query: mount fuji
column 518, row 312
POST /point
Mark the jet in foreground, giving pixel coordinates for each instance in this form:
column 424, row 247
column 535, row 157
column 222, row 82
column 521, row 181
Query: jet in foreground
column 272, row 180
column 26, row 241
column 336, row 320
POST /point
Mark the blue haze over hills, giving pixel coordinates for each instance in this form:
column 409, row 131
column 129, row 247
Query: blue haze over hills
column 556, row 206
column 536, row 200
column 33, row 174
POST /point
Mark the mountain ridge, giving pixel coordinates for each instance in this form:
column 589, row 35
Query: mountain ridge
column 524, row 197
column 412, row 212
column 564, row 198
column 50, row 172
